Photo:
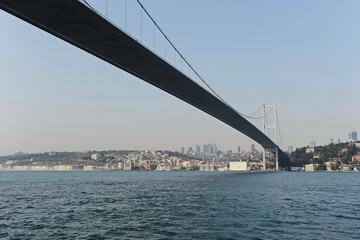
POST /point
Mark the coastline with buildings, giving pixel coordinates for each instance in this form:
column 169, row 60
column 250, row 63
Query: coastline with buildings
column 210, row 159
column 334, row 157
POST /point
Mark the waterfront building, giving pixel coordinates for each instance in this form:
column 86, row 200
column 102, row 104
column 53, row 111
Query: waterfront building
column 110, row 167
column 22, row 167
column 356, row 168
column 176, row 168
column 40, row 167
column 345, row 167
column 120, row 165
column 311, row 167
column 67, row 167
column 330, row 165
column 89, row 168
column 206, row 167
column 129, row 165
column 160, row 167
column 239, row 166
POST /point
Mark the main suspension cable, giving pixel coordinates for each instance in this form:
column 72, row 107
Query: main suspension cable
column 182, row 58
column 190, row 67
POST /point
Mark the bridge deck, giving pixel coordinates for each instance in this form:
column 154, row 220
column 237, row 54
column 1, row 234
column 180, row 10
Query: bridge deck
column 79, row 25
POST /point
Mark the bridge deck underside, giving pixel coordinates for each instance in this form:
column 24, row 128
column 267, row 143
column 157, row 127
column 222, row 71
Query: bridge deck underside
column 79, row 25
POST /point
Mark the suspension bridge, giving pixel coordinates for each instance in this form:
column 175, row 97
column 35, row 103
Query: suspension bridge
column 82, row 25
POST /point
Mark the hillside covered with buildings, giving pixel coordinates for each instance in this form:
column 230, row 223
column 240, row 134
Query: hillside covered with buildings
column 331, row 157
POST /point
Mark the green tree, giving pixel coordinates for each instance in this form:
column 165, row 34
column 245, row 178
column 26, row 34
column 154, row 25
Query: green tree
column 321, row 167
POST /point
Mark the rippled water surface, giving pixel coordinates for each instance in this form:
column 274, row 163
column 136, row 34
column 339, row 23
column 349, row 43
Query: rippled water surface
column 179, row 205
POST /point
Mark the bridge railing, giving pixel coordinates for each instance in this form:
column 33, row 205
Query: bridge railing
column 132, row 17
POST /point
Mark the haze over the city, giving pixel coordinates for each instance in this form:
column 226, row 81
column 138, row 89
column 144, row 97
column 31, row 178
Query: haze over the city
column 304, row 56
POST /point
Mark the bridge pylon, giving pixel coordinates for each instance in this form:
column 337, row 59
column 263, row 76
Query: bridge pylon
column 267, row 126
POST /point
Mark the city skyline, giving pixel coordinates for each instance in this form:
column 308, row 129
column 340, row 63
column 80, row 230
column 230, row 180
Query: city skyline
column 55, row 97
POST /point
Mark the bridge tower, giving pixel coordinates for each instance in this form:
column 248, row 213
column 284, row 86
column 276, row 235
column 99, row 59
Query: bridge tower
column 267, row 126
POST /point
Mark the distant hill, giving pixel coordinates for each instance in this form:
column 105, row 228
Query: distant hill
column 341, row 152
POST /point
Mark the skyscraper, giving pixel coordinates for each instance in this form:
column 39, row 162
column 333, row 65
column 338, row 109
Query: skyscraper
column 215, row 148
column 205, row 148
column 353, row 136
column 290, row 149
column 238, row 149
column 197, row 148
column 252, row 148
column 211, row 148
column 312, row 144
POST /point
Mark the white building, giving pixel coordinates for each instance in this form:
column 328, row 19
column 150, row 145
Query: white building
column 330, row 165
column 311, row 167
column 67, row 167
column 160, row 167
column 310, row 150
column 239, row 166
column 89, row 168
column 95, row 156
column 120, row 165
column 22, row 167
column 129, row 165
column 40, row 167
column 355, row 158
column 207, row 167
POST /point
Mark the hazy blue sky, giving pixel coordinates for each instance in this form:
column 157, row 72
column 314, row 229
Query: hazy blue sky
column 303, row 55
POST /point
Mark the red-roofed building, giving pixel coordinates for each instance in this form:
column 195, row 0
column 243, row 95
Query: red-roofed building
column 355, row 158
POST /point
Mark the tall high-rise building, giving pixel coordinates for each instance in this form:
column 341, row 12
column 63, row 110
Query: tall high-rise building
column 290, row 149
column 238, row 149
column 190, row 149
column 182, row 150
column 353, row 136
column 211, row 149
column 312, row 144
column 205, row 148
column 197, row 148
column 215, row 148
column 252, row 148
